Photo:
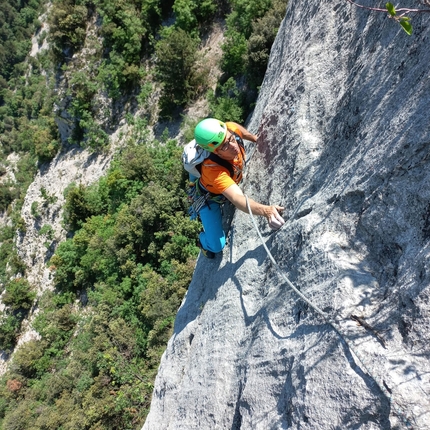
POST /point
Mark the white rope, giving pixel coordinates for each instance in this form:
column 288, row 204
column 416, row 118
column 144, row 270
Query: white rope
column 275, row 264
column 380, row 384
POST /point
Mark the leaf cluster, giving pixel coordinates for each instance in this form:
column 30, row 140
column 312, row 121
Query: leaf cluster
column 404, row 21
column 18, row 298
column 176, row 67
column 18, row 22
column 27, row 127
column 127, row 30
column 251, row 31
column 8, row 193
column 67, row 22
column 26, row 110
column 226, row 103
column 192, row 14
column 180, row 70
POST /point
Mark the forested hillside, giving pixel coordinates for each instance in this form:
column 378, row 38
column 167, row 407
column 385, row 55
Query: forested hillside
column 130, row 252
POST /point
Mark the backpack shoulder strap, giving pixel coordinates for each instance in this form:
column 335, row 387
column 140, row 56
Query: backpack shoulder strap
column 221, row 162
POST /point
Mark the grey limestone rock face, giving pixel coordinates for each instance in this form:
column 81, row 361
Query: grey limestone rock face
column 344, row 145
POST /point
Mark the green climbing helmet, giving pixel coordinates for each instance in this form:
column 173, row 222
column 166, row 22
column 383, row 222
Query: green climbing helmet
column 210, row 133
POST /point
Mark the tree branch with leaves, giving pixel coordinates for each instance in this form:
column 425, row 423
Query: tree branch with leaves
column 400, row 15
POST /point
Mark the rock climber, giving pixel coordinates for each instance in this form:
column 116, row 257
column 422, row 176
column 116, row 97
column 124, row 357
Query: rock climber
column 226, row 141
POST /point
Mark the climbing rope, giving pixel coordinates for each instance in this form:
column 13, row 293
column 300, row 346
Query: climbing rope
column 379, row 382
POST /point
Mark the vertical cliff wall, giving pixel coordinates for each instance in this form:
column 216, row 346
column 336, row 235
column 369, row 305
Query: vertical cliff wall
column 343, row 120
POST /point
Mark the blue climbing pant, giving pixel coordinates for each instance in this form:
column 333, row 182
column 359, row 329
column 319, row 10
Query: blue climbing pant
column 213, row 237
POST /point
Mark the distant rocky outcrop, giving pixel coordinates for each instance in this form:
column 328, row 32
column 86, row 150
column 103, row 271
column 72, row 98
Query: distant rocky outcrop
column 344, row 144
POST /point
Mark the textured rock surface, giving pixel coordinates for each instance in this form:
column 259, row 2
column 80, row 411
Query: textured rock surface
column 343, row 118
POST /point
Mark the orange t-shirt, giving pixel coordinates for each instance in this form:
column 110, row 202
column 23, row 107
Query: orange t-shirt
column 215, row 178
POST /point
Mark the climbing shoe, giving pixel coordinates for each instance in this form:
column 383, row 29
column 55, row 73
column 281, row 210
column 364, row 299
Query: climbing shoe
column 205, row 252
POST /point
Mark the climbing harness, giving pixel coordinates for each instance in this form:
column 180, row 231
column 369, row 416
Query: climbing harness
column 379, row 382
column 199, row 197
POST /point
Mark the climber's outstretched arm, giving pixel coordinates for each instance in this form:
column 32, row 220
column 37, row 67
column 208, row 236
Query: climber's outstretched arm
column 236, row 196
column 246, row 134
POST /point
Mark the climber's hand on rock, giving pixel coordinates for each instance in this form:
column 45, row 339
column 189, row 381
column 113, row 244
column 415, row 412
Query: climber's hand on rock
column 274, row 218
